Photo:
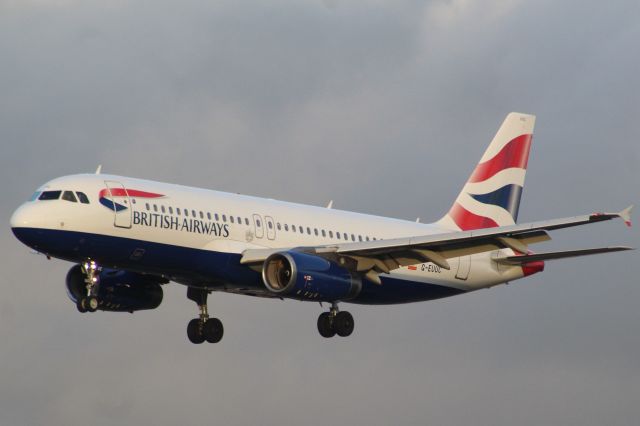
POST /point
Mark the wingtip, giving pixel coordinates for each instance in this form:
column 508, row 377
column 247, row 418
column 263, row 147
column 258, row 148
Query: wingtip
column 626, row 215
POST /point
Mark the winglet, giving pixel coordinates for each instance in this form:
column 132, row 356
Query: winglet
column 626, row 215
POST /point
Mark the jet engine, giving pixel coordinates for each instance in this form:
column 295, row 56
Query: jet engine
column 304, row 276
column 118, row 291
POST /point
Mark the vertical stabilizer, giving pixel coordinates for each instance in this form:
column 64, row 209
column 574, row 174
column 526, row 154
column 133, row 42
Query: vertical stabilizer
column 491, row 196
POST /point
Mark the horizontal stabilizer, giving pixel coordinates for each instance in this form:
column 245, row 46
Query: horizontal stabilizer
column 520, row 260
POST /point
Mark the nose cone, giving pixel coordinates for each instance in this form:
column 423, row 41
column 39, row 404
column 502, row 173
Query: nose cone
column 20, row 218
column 22, row 224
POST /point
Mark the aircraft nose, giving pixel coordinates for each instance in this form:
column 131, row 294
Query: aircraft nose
column 20, row 218
column 22, row 224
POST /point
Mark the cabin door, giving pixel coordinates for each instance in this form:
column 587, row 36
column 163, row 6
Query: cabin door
column 117, row 199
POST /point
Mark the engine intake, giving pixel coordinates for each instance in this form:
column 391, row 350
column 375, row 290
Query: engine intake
column 304, row 276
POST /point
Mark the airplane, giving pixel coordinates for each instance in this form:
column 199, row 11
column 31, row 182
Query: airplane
column 127, row 237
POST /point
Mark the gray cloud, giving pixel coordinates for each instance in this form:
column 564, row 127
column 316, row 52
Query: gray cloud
column 383, row 107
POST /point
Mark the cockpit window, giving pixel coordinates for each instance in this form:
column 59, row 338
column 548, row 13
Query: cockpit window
column 82, row 197
column 68, row 196
column 35, row 196
column 50, row 195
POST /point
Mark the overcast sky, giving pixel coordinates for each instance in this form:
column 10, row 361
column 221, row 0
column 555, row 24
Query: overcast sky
column 382, row 106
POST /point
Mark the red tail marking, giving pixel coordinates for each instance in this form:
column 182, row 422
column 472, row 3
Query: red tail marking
column 468, row 221
column 513, row 154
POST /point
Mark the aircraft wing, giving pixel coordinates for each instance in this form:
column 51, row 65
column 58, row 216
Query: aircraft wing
column 382, row 256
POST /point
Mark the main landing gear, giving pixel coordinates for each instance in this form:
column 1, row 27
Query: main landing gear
column 335, row 322
column 203, row 328
column 90, row 302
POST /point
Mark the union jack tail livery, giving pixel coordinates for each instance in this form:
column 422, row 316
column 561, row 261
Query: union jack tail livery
column 491, row 196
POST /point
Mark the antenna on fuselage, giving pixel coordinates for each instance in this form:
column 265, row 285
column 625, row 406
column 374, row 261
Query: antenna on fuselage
column 417, row 220
column 99, row 169
column 330, row 205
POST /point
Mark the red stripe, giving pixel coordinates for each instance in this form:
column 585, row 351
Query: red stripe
column 468, row 221
column 413, row 267
column 513, row 154
column 121, row 192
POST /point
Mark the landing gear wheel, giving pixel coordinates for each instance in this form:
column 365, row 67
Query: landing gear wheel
column 91, row 303
column 343, row 323
column 213, row 330
column 194, row 331
column 80, row 305
column 325, row 326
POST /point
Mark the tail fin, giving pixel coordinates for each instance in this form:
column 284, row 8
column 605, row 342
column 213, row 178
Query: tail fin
column 491, row 196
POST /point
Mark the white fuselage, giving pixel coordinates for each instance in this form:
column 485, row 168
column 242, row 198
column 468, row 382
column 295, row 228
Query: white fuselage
column 177, row 217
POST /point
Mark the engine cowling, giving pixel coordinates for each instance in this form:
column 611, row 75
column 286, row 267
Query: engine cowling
column 119, row 291
column 304, row 276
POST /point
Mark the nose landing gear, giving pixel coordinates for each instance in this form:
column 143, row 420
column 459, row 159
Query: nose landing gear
column 335, row 322
column 90, row 302
column 203, row 328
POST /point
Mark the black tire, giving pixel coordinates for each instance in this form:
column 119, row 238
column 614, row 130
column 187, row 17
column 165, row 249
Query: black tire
column 91, row 304
column 194, row 333
column 213, row 330
column 343, row 324
column 325, row 326
column 80, row 305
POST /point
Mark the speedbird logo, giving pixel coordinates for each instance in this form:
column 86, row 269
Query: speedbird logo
column 108, row 197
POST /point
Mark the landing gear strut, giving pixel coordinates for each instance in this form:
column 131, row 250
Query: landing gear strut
column 335, row 322
column 203, row 328
column 90, row 302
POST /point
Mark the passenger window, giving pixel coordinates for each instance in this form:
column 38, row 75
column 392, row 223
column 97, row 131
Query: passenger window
column 231, row 219
column 147, row 206
column 367, row 238
column 224, row 218
column 193, row 213
column 293, row 228
column 82, row 197
column 133, row 200
column 155, row 207
column 216, row 216
column 315, row 231
column 308, row 230
column 330, row 234
column 286, row 227
column 209, row 215
column 359, row 237
column 346, row 237
column 162, row 208
column 353, row 237
column 50, row 195
column 68, row 196
column 324, row 234
column 338, row 235
column 186, row 212
column 270, row 225
column 246, row 221
column 239, row 220
column 170, row 210
column 178, row 211
column 201, row 215
column 301, row 229
column 258, row 224
column 278, row 226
